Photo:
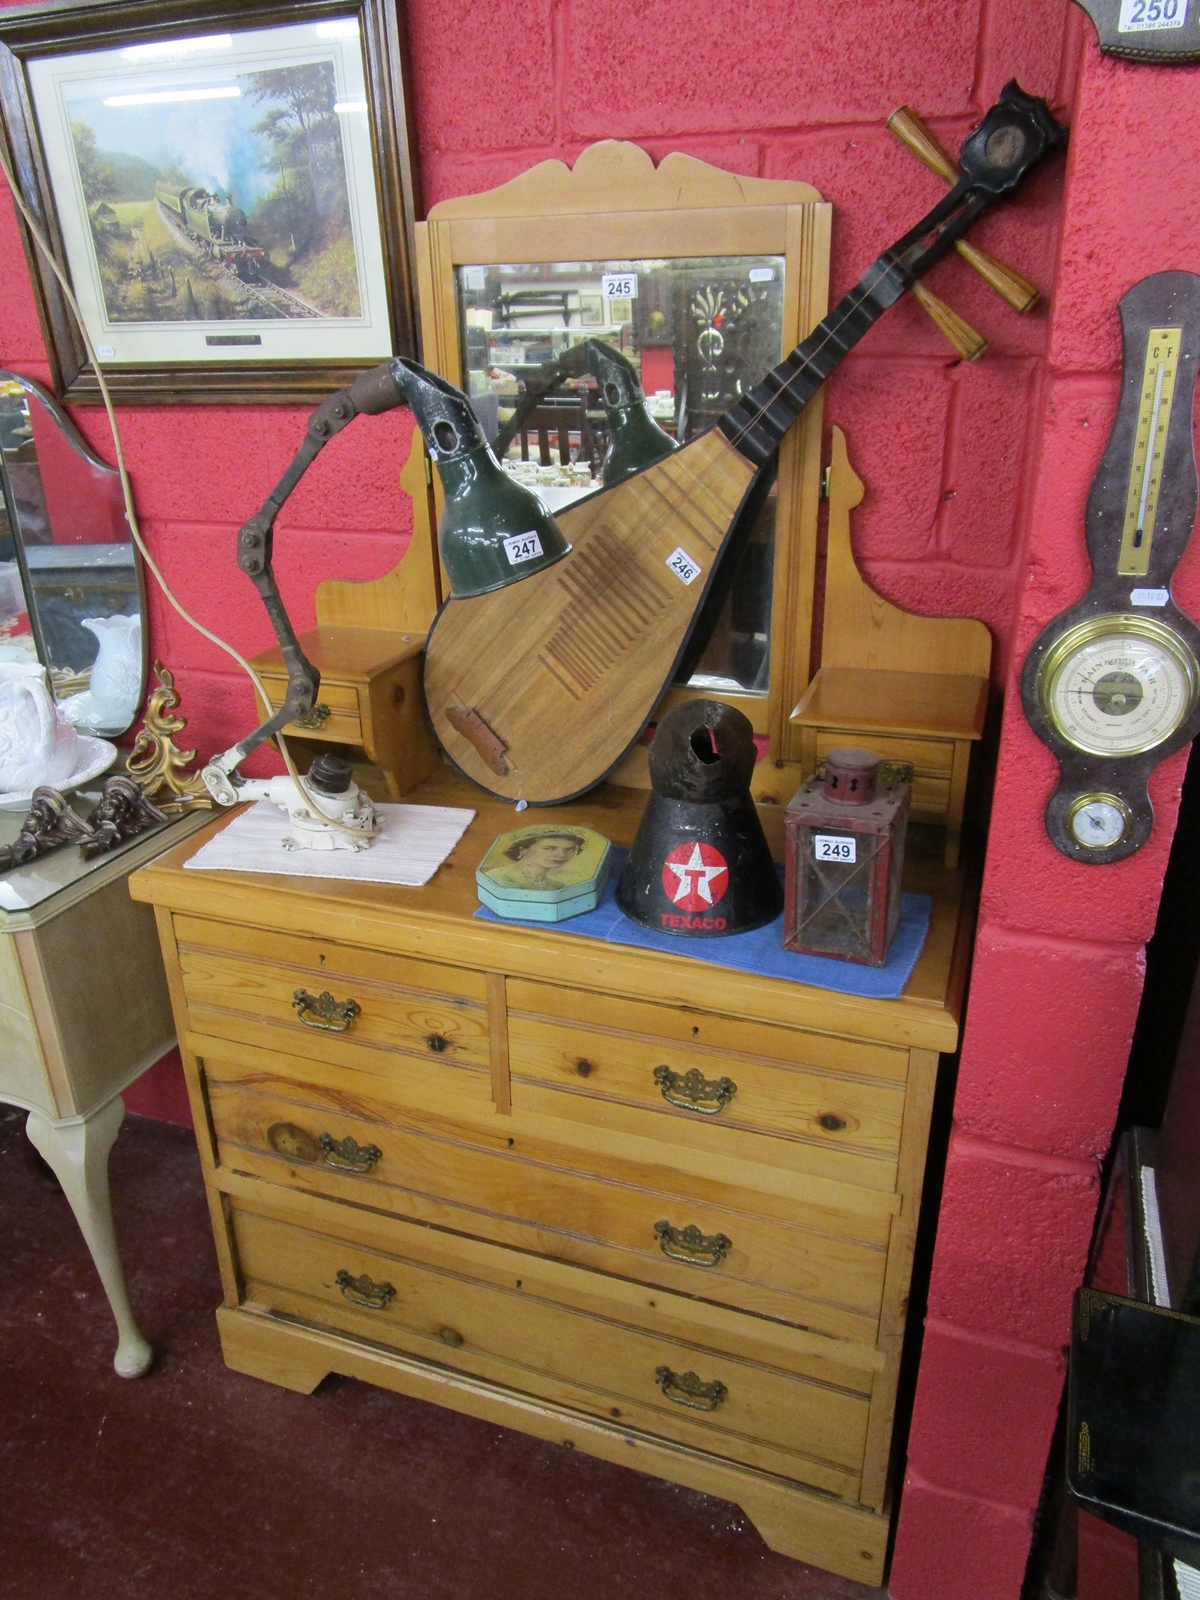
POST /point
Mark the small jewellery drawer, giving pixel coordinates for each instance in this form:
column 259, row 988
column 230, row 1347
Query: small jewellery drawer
column 838, row 1124
column 823, row 1271
column 564, row 1335
column 335, row 715
column 348, row 1007
column 931, row 758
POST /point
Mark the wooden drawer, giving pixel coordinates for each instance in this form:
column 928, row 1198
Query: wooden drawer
column 814, row 1268
column 423, row 1026
column 344, row 722
column 514, row 1320
column 931, row 758
column 837, row 1114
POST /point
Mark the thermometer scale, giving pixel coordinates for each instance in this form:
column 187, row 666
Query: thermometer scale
column 1149, row 447
column 1113, row 685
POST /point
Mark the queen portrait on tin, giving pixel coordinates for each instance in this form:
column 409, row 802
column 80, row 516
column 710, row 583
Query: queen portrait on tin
column 542, row 858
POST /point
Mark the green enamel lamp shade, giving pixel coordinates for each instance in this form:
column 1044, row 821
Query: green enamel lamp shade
column 493, row 531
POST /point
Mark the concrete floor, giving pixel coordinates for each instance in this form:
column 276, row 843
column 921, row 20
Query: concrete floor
column 194, row 1483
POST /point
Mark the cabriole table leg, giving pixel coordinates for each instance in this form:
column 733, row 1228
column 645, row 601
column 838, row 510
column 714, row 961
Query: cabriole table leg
column 77, row 1150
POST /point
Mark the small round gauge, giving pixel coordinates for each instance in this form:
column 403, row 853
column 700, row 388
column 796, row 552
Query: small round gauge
column 1097, row 821
column 1118, row 685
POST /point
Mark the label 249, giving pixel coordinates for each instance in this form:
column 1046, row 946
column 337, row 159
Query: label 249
column 834, row 847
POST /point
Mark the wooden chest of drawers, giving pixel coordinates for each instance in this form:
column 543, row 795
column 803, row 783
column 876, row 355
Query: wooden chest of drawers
column 629, row 1202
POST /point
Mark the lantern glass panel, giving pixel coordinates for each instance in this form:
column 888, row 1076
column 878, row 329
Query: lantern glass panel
column 835, row 897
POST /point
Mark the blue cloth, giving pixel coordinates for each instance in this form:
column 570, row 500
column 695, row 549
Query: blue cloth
column 760, row 951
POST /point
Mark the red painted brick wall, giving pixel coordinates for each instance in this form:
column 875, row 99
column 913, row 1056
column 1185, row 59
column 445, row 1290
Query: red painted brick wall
column 1059, row 956
column 976, row 484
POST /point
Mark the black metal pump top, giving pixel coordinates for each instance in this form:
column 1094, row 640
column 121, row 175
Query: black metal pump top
column 704, row 751
column 700, row 866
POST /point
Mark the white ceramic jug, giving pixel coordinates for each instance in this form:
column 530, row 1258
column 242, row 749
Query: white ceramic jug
column 37, row 744
column 116, row 680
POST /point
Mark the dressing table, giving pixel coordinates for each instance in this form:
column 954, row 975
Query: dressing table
column 638, row 1205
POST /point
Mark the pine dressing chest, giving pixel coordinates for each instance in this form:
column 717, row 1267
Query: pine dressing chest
column 631, row 1203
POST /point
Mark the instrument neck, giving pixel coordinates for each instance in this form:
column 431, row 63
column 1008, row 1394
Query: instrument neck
column 758, row 421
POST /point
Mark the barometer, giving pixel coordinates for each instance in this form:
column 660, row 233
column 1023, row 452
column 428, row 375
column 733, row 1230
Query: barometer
column 1113, row 685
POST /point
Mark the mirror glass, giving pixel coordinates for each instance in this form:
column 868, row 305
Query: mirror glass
column 71, row 593
column 699, row 330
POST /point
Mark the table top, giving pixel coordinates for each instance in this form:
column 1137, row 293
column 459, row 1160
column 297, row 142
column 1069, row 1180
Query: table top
column 922, row 704
column 438, row 923
column 49, row 883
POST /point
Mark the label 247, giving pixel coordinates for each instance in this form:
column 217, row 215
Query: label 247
column 834, row 847
column 522, row 547
column 1140, row 16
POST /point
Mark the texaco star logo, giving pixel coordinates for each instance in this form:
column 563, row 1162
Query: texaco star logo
column 695, row 876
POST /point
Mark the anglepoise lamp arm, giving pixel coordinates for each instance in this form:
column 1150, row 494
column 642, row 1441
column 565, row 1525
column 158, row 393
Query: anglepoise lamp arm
column 374, row 392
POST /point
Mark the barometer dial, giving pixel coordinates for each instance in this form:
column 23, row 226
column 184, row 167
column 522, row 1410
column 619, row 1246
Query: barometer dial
column 1119, row 686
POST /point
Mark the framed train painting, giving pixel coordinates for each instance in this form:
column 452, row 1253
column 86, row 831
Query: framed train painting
column 229, row 188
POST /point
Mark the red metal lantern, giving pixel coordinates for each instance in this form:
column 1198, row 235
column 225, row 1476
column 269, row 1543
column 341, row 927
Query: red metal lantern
column 845, row 859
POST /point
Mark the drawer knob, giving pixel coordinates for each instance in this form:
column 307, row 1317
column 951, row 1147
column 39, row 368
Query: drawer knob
column 324, row 1012
column 691, row 1246
column 364, row 1291
column 319, row 714
column 686, row 1389
column 438, row 1043
column 347, row 1155
column 692, row 1091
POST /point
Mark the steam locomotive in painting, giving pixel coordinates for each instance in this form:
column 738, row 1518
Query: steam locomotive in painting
column 217, row 226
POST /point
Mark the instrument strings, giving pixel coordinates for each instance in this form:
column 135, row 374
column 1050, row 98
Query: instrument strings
column 861, row 292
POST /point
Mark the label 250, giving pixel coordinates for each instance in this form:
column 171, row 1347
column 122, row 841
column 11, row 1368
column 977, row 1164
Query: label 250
column 1139, row 16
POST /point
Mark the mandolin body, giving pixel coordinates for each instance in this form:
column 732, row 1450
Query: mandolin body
column 536, row 691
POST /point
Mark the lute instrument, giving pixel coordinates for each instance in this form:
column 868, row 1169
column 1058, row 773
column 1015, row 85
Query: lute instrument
column 537, row 690
column 560, row 636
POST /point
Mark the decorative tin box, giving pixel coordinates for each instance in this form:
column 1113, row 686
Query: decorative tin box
column 845, row 859
column 546, row 872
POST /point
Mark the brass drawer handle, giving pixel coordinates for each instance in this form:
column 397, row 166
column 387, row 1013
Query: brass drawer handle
column 347, row 1155
column 686, row 1389
column 692, row 1091
column 324, row 1012
column 364, row 1291
column 691, row 1246
column 320, row 713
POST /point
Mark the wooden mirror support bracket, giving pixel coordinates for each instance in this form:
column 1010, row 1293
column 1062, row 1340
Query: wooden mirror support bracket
column 909, row 688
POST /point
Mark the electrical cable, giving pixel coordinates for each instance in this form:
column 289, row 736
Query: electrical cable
column 126, row 488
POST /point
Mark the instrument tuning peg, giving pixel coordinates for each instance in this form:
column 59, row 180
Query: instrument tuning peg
column 1012, row 288
column 969, row 344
